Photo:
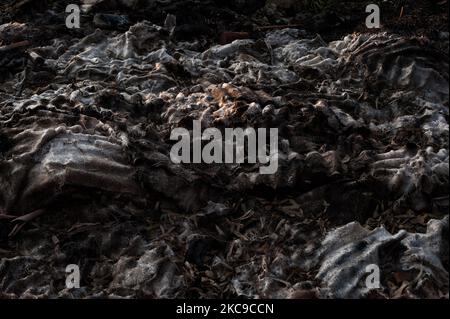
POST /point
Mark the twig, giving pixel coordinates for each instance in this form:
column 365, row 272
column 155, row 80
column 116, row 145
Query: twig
column 15, row 45
column 279, row 27
column 401, row 13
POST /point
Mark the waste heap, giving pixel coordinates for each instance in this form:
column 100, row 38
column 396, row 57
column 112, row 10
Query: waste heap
column 86, row 176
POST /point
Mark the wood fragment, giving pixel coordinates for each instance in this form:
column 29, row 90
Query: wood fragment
column 16, row 45
column 280, row 27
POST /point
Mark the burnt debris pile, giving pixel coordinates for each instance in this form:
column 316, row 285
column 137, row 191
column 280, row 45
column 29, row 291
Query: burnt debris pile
column 86, row 174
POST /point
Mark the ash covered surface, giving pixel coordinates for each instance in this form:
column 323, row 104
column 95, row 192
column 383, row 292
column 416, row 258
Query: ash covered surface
column 86, row 176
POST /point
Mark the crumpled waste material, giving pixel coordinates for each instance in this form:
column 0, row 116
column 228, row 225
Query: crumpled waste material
column 363, row 125
column 347, row 251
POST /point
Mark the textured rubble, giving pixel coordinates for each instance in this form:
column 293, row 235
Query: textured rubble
column 363, row 124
